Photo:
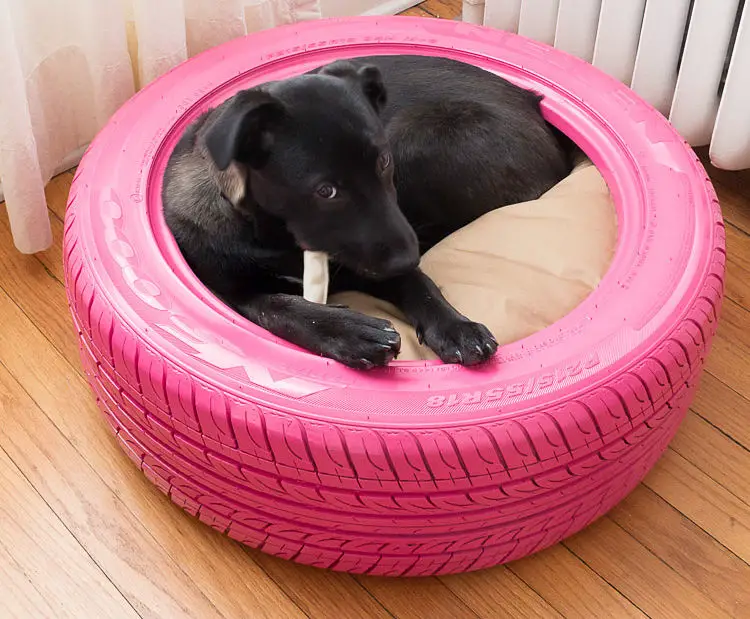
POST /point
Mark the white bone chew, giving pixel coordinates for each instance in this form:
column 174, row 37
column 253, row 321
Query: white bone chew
column 315, row 278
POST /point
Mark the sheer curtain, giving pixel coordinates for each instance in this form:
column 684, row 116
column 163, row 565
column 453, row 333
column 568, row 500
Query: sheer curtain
column 67, row 65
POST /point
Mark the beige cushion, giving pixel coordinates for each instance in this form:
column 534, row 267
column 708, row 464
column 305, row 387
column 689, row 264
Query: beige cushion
column 520, row 268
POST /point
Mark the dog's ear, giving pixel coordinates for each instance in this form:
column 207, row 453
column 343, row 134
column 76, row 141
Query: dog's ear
column 368, row 76
column 243, row 129
column 373, row 86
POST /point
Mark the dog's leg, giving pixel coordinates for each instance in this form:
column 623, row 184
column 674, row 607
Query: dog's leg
column 336, row 332
column 453, row 337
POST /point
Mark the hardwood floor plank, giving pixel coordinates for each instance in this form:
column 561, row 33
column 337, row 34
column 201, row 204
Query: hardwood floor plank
column 713, row 508
column 724, row 408
column 52, row 258
column 734, row 322
column 734, row 206
column 19, row 598
column 415, row 11
column 737, row 283
column 714, row 453
column 730, row 351
column 727, row 363
column 38, row 292
column 321, row 594
column 687, row 549
column 570, row 586
column 58, row 438
column 416, row 598
column 498, row 593
column 57, row 196
column 444, row 9
column 733, row 189
column 61, row 580
column 649, row 583
column 57, row 192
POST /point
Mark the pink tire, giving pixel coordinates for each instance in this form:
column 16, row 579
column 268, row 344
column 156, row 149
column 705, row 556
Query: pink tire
column 420, row 468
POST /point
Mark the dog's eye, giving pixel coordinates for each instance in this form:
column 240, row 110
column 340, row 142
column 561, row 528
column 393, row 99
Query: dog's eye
column 384, row 161
column 327, row 191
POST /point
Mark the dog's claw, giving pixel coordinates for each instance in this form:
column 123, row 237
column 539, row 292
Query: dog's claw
column 420, row 335
column 366, row 364
column 459, row 356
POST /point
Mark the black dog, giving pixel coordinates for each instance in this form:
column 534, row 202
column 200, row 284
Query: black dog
column 331, row 161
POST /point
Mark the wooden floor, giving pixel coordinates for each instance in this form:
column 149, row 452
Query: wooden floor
column 83, row 534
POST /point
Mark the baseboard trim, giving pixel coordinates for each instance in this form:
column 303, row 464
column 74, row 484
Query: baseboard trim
column 392, row 7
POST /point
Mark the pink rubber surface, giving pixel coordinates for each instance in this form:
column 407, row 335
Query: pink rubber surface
column 420, row 468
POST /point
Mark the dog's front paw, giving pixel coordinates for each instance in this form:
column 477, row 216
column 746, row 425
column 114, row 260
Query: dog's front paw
column 460, row 341
column 364, row 342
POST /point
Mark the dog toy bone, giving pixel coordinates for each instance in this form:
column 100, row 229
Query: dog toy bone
column 315, row 278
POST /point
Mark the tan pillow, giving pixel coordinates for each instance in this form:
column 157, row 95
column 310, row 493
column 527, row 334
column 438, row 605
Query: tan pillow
column 520, row 268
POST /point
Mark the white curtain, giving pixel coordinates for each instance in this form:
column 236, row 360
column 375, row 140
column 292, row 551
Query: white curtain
column 67, row 65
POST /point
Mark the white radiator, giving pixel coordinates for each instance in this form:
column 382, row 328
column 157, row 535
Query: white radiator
column 689, row 58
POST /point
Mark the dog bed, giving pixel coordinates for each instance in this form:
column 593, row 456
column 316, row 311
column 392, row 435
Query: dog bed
column 518, row 269
column 419, row 468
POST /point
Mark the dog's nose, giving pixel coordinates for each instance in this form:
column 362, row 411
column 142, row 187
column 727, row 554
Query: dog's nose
column 400, row 264
column 394, row 252
column 388, row 262
column 407, row 258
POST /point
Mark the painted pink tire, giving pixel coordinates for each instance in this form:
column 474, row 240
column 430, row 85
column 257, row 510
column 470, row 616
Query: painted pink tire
column 420, row 468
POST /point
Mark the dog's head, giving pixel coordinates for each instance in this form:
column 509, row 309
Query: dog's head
column 312, row 151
